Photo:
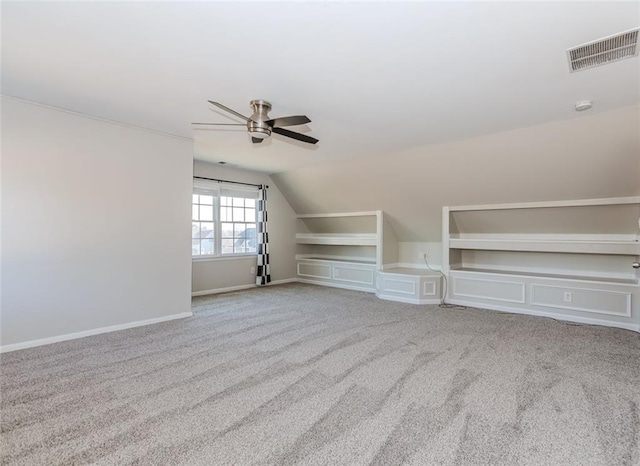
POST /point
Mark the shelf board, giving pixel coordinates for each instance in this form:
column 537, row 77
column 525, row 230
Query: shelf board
column 622, row 281
column 547, row 204
column 631, row 248
column 371, row 213
column 332, row 258
column 338, row 239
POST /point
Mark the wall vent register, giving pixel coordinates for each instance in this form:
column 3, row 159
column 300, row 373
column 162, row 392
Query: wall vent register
column 602, row 51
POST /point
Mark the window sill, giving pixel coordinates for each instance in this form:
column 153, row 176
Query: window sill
column 222, row 258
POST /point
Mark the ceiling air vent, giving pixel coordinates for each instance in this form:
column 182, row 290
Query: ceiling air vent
column 603, row 51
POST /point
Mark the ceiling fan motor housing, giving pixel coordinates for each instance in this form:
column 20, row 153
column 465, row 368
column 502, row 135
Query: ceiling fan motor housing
column 256, row 125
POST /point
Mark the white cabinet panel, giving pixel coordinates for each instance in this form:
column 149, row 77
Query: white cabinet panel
column 430, row 288
column 399, row 285
column 580, row 299
column 593, row 302
column 497, row 290
column 414, row 286
column 339, row 274
column 314, row 270
column 353, row 274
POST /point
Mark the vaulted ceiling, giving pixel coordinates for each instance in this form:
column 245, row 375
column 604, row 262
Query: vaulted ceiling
column 375, row 78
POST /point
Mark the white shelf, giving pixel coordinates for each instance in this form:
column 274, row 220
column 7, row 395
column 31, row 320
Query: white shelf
column 548, row 204
column 333, row 258
column 343, row 214
column 338, row 239
column 580, row 278
column 562, row 246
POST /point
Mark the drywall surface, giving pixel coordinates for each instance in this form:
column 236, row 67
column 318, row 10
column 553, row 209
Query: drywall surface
column 592, row 156
column 411, row 254
column 224, row 273
column 95, row 223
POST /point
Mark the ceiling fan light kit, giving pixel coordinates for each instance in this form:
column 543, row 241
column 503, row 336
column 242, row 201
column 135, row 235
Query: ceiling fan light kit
column 257, row 126
column 260, row 126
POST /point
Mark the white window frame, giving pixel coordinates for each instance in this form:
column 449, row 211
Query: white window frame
column 217, row 190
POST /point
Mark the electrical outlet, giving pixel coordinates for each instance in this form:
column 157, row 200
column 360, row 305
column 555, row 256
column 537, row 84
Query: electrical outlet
column 253, row 270
column 568, row 297
column 422, row 255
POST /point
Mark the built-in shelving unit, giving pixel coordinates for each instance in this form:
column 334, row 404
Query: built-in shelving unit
column 568, row 259
column 340, row 249
column 359, row 251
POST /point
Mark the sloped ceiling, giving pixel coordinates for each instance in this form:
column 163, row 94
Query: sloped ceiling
column 375, row 78
column 595, row 156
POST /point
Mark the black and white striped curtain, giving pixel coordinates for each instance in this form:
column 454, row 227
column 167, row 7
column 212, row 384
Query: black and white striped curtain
column 263, row 275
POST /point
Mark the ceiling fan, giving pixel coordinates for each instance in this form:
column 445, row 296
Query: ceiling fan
column 260, row 125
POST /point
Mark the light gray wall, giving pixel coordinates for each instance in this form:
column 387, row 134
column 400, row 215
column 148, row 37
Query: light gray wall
column 410, row 254
column 216, row 274
column 95, row 223
column 592, row 156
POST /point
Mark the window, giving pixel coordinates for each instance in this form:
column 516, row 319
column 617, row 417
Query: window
column 238, row 220
column 202, row 225
column 223, row 220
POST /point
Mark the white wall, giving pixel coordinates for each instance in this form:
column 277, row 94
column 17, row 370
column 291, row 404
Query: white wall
column 95, row 224
column 216, row 274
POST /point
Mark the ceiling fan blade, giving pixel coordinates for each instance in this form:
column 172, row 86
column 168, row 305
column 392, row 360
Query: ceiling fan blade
column 220, row 124
column 289, row 121
column 294, row 135
column 233, row 112
column 256, row 140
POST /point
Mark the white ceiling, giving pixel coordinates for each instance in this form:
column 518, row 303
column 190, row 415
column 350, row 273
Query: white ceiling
column 375, row 78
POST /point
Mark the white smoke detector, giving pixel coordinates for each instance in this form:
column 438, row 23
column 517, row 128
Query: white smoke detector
column 602, row 51
column 583, row 105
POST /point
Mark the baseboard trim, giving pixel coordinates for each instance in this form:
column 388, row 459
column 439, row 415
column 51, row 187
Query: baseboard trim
column 88, row 333
column 566, row 318
column 241, row 287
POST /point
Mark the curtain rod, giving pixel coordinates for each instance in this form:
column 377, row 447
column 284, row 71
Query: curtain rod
column 227, row 181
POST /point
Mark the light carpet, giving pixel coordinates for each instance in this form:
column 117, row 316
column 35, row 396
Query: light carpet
column 299, row 374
